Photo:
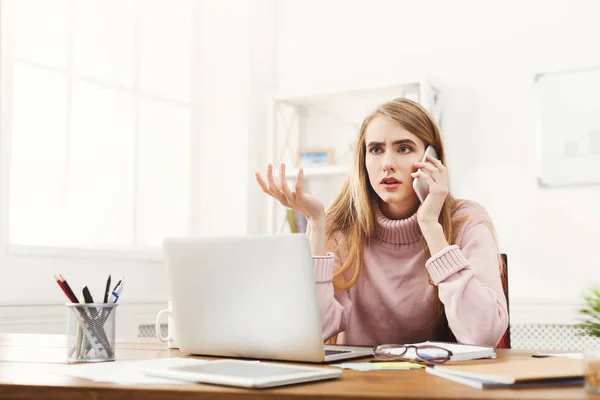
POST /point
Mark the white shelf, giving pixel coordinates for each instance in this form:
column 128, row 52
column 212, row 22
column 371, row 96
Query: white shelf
column 352, row 94
column 332, row 120
column 315, row 172
column 310, row 99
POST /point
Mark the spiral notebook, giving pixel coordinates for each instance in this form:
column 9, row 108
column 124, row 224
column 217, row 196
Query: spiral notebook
column 463, row 352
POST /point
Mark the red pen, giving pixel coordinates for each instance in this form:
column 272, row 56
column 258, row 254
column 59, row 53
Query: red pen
column 70, row 292
column 72, row 299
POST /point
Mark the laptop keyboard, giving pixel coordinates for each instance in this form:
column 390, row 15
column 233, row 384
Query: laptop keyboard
column 330, row 352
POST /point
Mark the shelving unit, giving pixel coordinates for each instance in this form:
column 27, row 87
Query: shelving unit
column 310, row 172
column 331, row 120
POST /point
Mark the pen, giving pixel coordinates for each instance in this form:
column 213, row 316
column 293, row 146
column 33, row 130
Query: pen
column 118, row 283
column 69, row 293
column 68, row 289
column 114, row 297
column 107, row 290
column 87, row 296
column 106, row 296
column 117, row 291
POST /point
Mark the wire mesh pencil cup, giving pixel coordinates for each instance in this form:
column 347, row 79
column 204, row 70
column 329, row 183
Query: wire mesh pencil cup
column 91, row 332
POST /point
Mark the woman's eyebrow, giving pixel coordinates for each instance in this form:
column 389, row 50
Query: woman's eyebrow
column 401, row 141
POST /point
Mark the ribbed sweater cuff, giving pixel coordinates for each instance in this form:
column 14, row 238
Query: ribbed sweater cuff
column 323, row 266
column 445, row 263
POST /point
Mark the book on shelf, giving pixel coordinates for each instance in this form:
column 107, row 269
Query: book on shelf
column 301, row 222
column 297, row 221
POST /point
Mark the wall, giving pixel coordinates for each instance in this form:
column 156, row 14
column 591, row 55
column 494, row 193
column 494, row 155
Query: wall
column 487, row 54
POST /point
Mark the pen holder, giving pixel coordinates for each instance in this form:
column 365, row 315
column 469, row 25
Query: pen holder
column 91, row 332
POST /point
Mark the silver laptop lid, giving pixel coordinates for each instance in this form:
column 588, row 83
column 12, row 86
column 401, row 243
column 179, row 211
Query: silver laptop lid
column 249, row 296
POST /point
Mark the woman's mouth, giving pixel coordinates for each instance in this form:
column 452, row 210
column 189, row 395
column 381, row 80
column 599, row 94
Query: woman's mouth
column 390, row 183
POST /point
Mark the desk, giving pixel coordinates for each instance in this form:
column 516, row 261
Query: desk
column 25, row 358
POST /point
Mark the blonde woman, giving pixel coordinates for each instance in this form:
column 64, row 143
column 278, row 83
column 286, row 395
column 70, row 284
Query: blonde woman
column 389, row 269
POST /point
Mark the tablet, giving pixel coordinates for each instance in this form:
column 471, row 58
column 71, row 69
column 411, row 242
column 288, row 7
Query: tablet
column 250, row 374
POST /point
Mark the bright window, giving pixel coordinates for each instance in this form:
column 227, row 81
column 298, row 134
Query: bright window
column 97, row 95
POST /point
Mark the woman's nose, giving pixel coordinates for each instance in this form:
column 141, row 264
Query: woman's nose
column 389, row 166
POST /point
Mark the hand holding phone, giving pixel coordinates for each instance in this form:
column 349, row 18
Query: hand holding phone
column 419, row 185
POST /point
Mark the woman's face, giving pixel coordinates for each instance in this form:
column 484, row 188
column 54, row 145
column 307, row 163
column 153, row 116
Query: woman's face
column 391, row 152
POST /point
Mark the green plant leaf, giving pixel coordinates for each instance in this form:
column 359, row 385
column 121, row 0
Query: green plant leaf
column 590, row 312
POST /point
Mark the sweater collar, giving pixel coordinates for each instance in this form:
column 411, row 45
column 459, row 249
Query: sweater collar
column 397, row 231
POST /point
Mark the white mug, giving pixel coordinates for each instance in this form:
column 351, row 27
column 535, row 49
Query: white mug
column 170, row 339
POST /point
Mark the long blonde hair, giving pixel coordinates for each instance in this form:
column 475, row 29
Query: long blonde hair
column 351, row 214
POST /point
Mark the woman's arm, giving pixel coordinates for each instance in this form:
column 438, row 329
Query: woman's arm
column 434, row 236
column 316, row 236
column 470, row 287
column 334, row 306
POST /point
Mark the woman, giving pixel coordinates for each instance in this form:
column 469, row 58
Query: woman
column 389, row 269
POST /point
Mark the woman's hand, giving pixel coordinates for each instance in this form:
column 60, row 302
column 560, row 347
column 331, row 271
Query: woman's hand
column 304, row 203
column 429, row 212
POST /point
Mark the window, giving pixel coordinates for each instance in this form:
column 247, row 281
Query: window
column 97, row 98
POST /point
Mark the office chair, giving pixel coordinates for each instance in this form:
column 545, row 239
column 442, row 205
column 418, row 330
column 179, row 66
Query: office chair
column 505, row 341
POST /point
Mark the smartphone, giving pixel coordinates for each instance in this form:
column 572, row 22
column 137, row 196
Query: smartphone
column 421, row 187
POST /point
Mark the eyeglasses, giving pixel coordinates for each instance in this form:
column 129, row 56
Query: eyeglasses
column 425, row 354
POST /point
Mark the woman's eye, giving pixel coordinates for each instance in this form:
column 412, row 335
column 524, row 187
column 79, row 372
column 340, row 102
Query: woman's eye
column 404, row 149
column 375, row 150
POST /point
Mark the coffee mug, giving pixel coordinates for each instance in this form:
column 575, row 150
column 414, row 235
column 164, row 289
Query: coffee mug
column 170, row 339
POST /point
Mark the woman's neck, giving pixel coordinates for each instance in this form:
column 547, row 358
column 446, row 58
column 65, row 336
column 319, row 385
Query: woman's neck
column 399, row 211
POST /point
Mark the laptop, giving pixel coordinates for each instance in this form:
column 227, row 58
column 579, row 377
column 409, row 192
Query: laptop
column 248, row 297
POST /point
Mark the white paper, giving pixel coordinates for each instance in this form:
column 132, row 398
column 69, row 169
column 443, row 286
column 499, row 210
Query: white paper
column 125, row 372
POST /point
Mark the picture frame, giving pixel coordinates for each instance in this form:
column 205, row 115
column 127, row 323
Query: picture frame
column 314, row 157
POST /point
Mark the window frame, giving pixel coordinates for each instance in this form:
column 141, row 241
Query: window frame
column 8, row 63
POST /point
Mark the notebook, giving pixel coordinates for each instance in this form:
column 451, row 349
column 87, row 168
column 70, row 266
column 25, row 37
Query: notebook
column 518, row 373
column 462, row 352
column 485, row 384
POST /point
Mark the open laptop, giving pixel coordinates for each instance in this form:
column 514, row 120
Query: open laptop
column 248, row 297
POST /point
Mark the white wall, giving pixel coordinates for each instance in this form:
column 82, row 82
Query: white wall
column 487, row 53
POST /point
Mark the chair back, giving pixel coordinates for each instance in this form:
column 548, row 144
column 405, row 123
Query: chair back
column 505, row 341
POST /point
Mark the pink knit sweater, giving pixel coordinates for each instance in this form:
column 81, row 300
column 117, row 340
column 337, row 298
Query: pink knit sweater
column 392, row 300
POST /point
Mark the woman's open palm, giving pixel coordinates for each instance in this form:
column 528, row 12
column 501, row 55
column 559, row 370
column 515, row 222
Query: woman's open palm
column 304, row 203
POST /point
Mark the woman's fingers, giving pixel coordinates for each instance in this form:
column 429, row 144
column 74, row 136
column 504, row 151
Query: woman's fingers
column 438, row 171
column 299, row 179
column 265, row 189
column 262, row 184
column 285, row 189
column 437, row 163
column 425, row 176
column 424, row 165
column 271, row 181
column 272, row 186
